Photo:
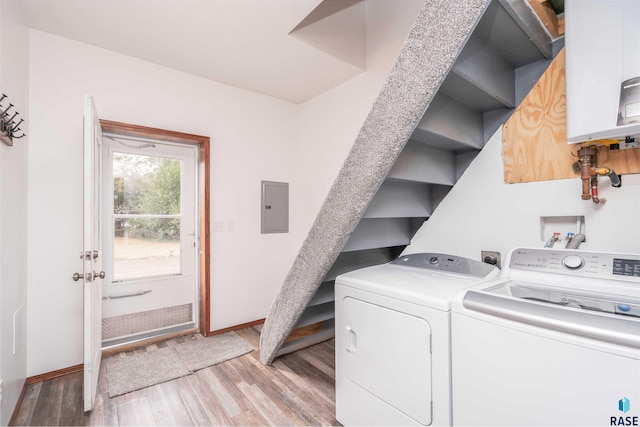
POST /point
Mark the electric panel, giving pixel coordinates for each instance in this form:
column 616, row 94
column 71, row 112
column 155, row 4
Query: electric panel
column 275, row 207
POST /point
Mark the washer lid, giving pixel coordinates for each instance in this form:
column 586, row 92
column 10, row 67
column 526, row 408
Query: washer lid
column 571, row 297
column 425, row 286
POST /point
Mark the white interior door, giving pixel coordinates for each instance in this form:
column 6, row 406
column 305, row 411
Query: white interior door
column 92, row 254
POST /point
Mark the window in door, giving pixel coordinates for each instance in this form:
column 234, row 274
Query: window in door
column 146, row 216
column 151, row 253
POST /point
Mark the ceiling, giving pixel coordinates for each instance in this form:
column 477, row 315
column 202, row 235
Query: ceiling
column 244, row 43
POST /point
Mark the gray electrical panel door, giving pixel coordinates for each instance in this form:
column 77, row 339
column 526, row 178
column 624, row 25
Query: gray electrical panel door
column 275, row 207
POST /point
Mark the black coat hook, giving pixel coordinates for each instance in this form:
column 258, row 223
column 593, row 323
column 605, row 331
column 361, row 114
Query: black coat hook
column 9, row 129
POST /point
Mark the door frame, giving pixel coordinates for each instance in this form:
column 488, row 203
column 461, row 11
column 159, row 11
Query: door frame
column 203, row 197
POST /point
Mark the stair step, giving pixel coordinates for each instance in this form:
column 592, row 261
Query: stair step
column 400, row 199
column 381, row 233
column 315, row 314
column 525, row 35
column 463, row 160
column 328, row 332
column 450, row 124
column 468, row 94
column 483, row 68
column 349, row 261
column 513, row 31
column 438, row 193
column 419, row 162
column 324, row 294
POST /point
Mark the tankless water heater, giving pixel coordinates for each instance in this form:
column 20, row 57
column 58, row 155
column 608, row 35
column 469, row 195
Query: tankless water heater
column 602, row 42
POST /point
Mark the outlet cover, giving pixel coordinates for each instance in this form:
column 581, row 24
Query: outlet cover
column 492, row 257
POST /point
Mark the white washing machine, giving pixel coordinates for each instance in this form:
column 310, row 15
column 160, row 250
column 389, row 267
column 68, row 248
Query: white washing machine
column 393, row 345
column 555, row 340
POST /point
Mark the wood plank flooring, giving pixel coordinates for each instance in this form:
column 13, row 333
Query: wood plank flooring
column 298, row 389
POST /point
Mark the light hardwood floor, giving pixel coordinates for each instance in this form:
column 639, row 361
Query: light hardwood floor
column 298, row 389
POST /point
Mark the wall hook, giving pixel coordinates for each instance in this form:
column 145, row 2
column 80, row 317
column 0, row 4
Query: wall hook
column 8, row 127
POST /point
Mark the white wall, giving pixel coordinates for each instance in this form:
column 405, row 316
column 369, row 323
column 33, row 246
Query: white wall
column 13, row 210
column 483, row 213
column 253, row 138
column 330, row 122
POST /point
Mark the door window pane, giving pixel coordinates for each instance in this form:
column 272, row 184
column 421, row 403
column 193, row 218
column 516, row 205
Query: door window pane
column 146, row 185
column 146, row 192
column 145, row 247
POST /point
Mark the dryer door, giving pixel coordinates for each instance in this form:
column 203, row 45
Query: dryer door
column 387, row 353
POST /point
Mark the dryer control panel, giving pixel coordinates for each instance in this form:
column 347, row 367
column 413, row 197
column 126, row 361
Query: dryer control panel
column 446, row 263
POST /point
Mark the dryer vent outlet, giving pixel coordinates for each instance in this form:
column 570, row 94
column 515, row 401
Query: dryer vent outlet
column 491, row 257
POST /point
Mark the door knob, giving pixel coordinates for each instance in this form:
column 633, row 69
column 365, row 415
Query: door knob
column 78, row 276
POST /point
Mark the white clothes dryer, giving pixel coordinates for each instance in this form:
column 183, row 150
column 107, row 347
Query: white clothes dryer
column 393, row 339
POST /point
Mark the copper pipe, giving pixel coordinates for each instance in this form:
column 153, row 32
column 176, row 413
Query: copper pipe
column 594, row 190
column 586, row 171
column 589, row 172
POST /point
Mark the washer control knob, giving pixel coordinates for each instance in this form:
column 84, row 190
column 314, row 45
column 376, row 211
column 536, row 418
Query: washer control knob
column 573, row 262
column 434, row 260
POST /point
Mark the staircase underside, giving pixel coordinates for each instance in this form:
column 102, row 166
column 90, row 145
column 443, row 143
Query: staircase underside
column 422, row 66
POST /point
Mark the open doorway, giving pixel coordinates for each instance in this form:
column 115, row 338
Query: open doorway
column 155, row 220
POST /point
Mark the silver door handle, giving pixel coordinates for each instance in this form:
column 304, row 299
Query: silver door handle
column 78, row 276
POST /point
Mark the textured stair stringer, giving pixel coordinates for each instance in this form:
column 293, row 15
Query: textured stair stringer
column 433, row 44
